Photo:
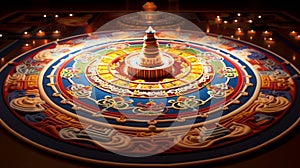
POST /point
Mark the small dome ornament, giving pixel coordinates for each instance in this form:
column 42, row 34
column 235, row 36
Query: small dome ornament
column 149, row 6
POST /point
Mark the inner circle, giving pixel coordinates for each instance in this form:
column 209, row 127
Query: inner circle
column 188, row 72
column 135, row 69
column 179, row 68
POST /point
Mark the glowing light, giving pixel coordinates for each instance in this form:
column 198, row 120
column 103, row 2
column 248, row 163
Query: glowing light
column 269, row 40
column 26, row 47
column 56, row 33
column 251, row 32
column 218, row 20
column 239, row 32
column 207, row 29
column 267, row 33
column 293, row 33
column 40, row 33
column 294, row 57
column 26, row 34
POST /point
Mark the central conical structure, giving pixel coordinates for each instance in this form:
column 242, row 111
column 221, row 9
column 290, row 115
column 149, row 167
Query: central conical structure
column 150, row 64
column 151, row 56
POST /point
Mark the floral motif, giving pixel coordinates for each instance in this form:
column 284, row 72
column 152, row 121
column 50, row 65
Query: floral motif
column 150, row 108
column 183, row 103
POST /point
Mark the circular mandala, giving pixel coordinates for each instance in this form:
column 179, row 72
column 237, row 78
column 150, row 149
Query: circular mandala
column 220, row 98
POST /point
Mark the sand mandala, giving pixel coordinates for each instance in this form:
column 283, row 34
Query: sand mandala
column 147, row 97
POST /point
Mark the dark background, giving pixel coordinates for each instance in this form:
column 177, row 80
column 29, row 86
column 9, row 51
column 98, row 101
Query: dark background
column 67, row 5
column 16, row 153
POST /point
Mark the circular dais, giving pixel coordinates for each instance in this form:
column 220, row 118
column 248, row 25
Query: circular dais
column 80, row 97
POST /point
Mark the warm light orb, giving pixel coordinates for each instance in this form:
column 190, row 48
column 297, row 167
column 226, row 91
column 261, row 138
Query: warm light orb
column 267, row 33
column 294, row 57
column 40, row 33
column 239, row 32
column 293, row 33
column 251, row 32
column 218, row 20
column 56, row 33
column 26, row 34
column 269, row 41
